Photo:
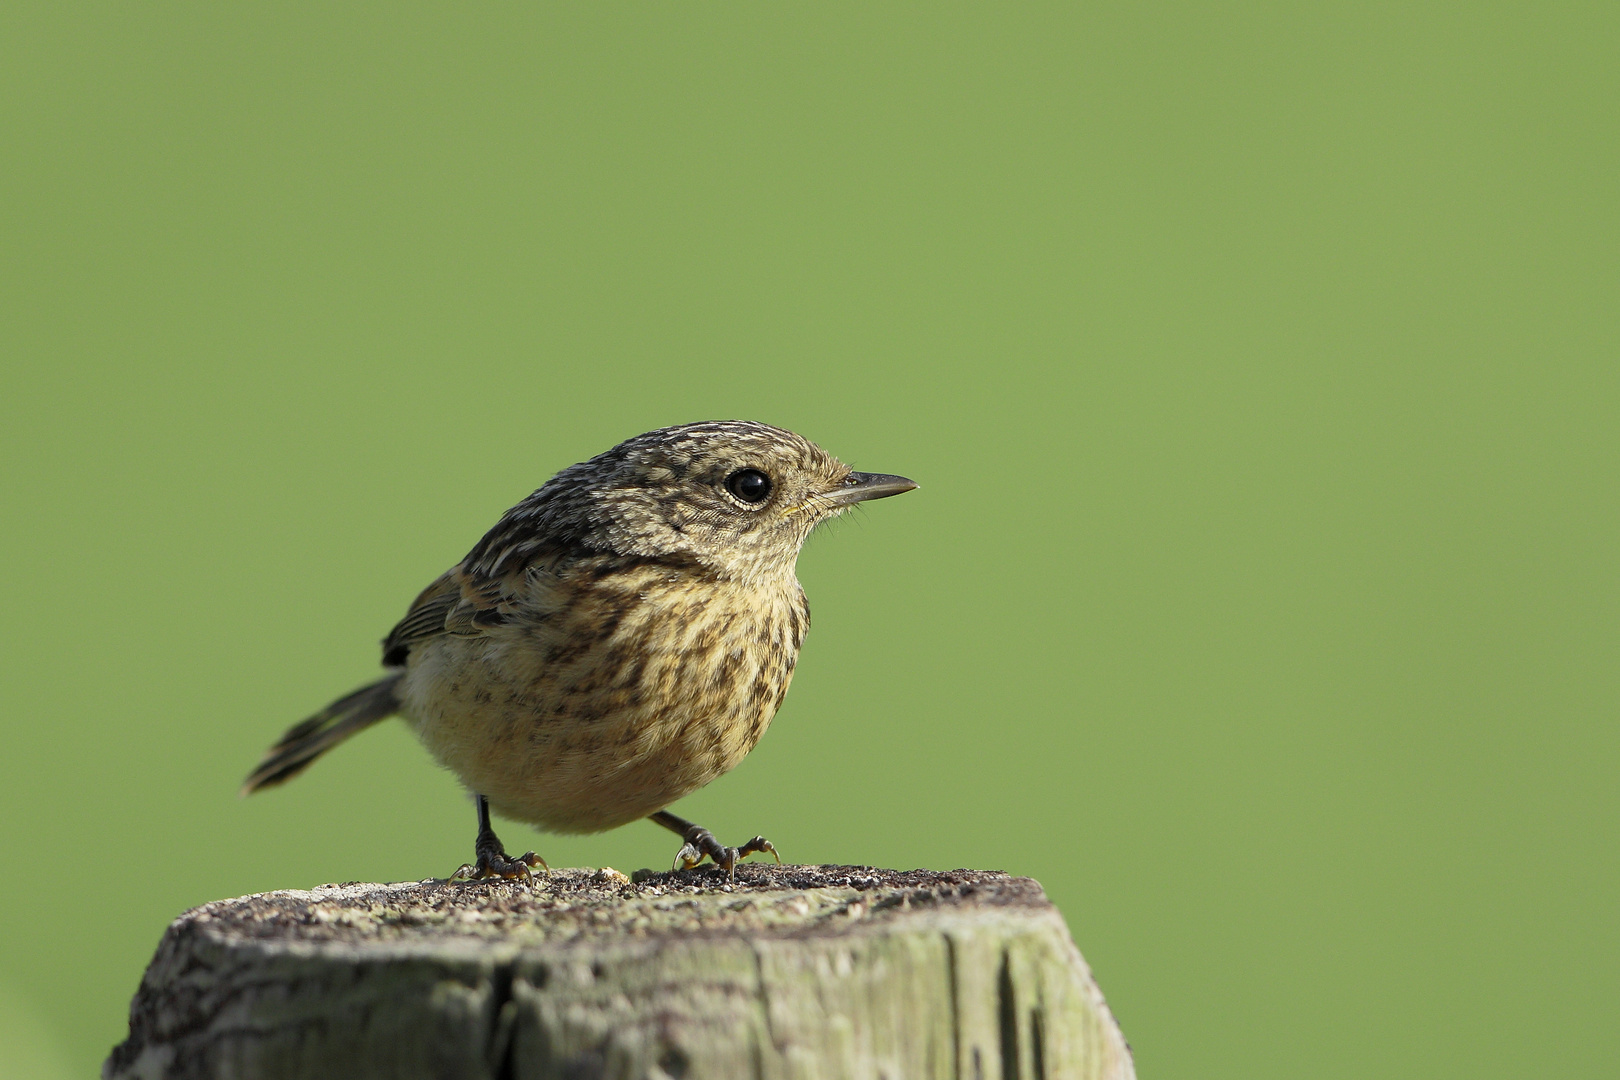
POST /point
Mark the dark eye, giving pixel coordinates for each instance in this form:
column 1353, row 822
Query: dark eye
column 749, row 485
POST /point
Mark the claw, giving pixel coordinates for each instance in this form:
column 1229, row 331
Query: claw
column 759, row 843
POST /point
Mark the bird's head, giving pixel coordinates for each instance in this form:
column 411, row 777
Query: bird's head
column 739, row 497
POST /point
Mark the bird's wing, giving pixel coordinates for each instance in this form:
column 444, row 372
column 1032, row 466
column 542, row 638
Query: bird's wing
column 458, row 602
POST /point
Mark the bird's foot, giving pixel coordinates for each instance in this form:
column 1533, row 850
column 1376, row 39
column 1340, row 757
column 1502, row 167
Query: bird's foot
column 701, row 844
column 494, row 864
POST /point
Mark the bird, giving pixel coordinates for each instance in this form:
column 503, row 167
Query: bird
column 620, row 638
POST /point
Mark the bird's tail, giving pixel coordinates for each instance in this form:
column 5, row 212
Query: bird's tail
column 307, row 741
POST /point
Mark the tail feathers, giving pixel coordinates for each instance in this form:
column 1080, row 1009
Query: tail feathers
column 307, row 741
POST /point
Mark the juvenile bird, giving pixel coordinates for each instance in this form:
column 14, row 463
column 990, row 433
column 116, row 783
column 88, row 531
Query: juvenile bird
column 620, row 638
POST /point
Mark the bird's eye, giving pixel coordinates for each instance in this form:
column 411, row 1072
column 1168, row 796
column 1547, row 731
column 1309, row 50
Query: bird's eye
column 749, row 485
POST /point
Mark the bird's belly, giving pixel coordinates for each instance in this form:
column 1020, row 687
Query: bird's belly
column 597, row 741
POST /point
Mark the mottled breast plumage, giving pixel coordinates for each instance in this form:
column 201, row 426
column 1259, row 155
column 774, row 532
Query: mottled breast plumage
column 615, row 687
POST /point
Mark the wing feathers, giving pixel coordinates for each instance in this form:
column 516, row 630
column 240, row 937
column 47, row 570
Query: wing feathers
column 457, row 603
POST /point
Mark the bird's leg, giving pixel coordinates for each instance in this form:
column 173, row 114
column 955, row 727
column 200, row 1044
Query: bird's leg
column 700, row 842
column 493, row 861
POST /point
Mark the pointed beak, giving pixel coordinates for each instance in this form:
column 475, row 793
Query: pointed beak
column 861, row 486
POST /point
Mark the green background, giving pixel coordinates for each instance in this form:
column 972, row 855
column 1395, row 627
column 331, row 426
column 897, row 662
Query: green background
column 1258, row 363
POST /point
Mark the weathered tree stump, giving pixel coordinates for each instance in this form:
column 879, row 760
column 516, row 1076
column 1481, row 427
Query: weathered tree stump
column 793, row 971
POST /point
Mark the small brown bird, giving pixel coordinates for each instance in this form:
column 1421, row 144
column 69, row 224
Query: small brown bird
column 620, row 638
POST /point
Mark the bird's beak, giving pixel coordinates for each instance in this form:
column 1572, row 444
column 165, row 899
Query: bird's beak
column 861, row 486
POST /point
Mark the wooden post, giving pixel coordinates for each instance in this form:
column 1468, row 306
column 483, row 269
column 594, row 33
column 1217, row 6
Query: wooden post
column 796, row 972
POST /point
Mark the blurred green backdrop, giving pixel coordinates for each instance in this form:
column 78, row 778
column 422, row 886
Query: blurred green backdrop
column 1258, row 363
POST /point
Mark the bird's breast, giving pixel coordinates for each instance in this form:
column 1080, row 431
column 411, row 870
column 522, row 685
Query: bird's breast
column 610, row 697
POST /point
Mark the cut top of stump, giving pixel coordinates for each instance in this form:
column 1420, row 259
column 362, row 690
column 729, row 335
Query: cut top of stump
column 790, row 971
